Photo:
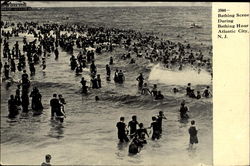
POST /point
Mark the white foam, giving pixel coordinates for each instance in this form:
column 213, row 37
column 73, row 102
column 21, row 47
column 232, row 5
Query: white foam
column 183, row 77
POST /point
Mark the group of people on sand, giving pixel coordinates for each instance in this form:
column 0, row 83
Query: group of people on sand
column 138, row 135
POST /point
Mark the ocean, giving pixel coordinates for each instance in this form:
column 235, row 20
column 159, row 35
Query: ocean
column 89, row 135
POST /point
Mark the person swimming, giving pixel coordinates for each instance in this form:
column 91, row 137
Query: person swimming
column 132, row 61
column 175, row 90
column 159, row 96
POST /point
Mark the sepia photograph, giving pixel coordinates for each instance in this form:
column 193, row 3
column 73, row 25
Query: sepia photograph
column 106, row 83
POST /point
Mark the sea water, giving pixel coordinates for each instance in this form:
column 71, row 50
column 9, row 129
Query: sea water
column 89, row 134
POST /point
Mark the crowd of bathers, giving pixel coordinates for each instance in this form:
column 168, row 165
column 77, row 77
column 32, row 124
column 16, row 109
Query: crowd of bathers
column 92, row 42
column 138, row 136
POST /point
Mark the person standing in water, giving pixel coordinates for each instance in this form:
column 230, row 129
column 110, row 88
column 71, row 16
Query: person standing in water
column 116, row 75
column 140, row 80
column 198, row 96
column 36, row 102
column 55, row 105
column 145, row 90
column 141, row 132
column 183, row 111
column 193, row 134
column 6, row 70
column 121, row 77
column 56, row 53
column 111, row 62
column 61, row 99
column 99, row 82
column 207, row 93
column 93, row 68
column 43, row 64
column 154, row 90
column 12, row 107
column 188, row 89
column 121, row 126
column 156, row 130
column 84, row 87
column 60, row 113
column 47, row 160
column 159, row 120
column 108, row 70
column 94, row 82
column 25, row 102
column 132, row 125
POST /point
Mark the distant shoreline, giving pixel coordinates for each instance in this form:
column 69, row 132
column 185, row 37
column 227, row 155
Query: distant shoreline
column 127, row 7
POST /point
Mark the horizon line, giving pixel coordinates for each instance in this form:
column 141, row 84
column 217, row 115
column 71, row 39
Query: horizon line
column 108, row 6
column 114, row 4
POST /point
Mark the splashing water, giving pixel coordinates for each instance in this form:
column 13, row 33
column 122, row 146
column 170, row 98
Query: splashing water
column 183, row 77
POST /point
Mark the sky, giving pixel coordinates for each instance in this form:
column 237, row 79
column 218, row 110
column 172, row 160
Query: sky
column 110, row 3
